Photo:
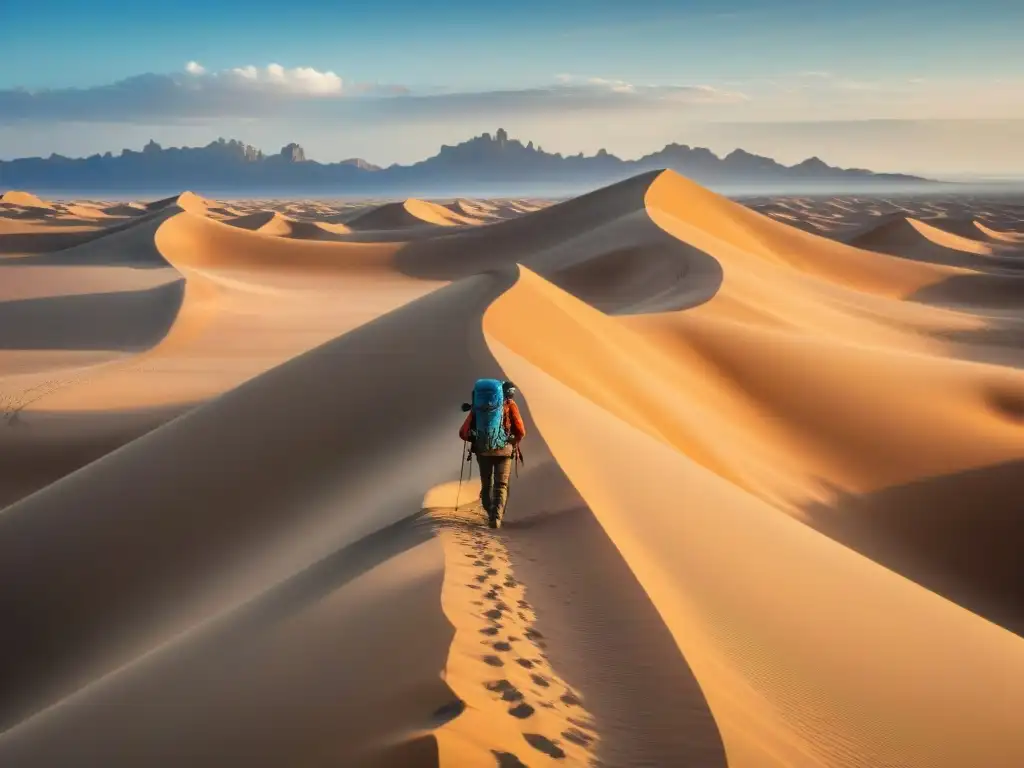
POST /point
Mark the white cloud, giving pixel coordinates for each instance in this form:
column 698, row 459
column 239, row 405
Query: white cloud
column 250, row 92
column 299, row 80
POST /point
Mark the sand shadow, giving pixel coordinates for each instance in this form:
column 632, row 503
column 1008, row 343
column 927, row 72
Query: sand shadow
column 32, row 458
column 958, row 535
column 60, row 248
column 184, row 687
column 91, row 591
column 43, row 242
column 997, row 298
column 52, row 220
column 126, row 321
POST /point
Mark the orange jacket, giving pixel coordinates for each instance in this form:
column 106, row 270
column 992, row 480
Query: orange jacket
column 513, row 423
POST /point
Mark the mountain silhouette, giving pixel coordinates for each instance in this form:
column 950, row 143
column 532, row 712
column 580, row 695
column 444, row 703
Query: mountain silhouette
column 483, row 163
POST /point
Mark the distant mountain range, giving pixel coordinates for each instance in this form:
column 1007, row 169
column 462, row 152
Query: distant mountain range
column 487, row 164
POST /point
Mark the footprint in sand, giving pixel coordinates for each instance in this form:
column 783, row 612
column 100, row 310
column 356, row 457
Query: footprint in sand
column 490, row 630
column 508, row 691
column 508, row 760
column 494, row 661
column 540, row 680
column 544, row 744
column 521, row 711
column 494, row 614
column 502, row 646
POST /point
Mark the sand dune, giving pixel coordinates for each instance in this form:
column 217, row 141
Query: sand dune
column 1007, row 237
column 273, row 223
column 769, row 514
column 944, row 244
column 124, row 209
column 410, row 213
column 22, row 200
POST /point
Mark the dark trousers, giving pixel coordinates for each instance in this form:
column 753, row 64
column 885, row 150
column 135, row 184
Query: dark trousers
column 494, row 475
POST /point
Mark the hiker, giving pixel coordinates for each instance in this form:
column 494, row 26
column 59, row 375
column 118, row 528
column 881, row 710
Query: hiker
column 494, row 429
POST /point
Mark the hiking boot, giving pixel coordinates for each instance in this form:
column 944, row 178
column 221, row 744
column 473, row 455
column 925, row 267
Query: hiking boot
column 492, row 520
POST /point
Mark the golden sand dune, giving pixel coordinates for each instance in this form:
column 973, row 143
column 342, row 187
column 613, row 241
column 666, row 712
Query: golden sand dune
column 1006, row 237
column 187, row 201
column 478, row 210
column 410, row 213
column 769, row 514
column 273, row 223
column 22, row 200
column 911, row 238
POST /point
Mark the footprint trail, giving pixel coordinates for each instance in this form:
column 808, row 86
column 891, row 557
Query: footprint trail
column 497, row 662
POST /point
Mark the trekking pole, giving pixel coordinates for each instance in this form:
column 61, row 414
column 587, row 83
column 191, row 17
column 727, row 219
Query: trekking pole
column 462, row 469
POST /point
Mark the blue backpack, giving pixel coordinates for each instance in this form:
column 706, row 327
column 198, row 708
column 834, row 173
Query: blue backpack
column 489, row 415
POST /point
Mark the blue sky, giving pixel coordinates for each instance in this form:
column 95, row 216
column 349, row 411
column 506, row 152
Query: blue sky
column 391, row 80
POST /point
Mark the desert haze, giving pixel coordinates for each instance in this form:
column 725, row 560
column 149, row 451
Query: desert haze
column 769, row 513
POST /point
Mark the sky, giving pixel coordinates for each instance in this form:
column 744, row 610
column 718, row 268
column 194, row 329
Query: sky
column 922, row 87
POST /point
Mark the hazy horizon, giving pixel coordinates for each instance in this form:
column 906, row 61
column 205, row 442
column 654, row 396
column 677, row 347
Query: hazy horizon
column 941, row 93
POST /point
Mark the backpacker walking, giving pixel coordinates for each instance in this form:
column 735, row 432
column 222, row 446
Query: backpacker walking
column 494, row 429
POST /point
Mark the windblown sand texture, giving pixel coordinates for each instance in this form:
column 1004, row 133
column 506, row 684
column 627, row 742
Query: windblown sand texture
column 770, row 513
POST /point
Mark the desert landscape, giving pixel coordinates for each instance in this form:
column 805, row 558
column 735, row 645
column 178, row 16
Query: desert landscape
column 769, row 513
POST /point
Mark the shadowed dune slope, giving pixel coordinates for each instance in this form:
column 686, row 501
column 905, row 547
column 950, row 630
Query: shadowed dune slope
column 191, row 559
column 126, row 320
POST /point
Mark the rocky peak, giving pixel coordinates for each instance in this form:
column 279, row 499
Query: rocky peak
column 293, row 153
column 813, row 163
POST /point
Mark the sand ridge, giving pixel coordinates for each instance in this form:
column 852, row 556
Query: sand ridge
column 774, row 453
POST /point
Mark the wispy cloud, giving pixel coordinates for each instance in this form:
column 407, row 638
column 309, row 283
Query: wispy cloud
column 304, row 92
